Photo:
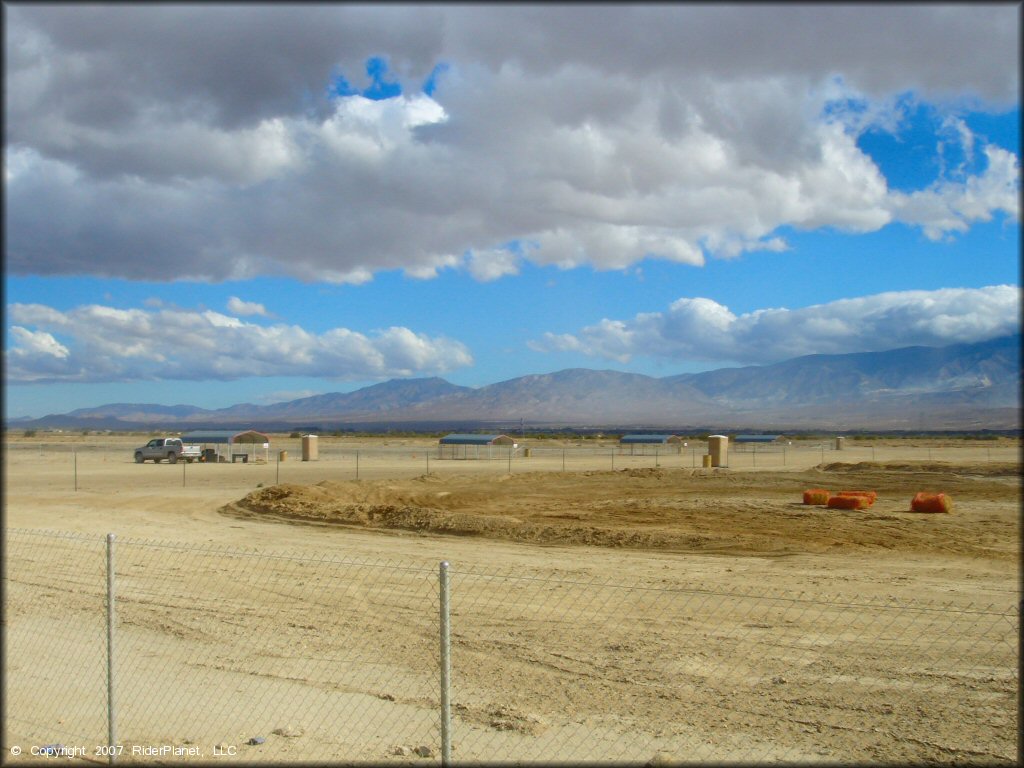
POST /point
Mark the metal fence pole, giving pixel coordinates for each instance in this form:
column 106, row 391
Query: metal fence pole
column 74, row 455
column 111, row 722
column 357, row 465
column 183, row 465
column 446, row 670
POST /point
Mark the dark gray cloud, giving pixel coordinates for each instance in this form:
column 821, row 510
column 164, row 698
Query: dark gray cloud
column 199, row 141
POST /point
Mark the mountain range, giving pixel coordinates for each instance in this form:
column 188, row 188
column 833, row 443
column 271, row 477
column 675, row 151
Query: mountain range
column 957, row 387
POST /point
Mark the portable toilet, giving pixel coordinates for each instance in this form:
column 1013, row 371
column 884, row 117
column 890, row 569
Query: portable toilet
column 310, row 449
column 718, row 447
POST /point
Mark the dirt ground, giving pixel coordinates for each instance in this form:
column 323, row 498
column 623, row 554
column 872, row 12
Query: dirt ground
column 606, row 606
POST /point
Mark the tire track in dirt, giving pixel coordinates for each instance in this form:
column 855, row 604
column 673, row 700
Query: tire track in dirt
column 722, row 512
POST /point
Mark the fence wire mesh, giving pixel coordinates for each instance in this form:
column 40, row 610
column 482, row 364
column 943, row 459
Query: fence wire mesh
column 216, row 647
column 604, row 671
column 283, row 657
column 99, row 467
column 55, row 638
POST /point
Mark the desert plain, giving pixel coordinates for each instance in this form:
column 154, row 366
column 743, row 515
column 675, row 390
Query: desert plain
column 605, row 606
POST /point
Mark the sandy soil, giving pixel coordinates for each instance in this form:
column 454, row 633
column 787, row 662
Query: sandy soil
column 650, row 611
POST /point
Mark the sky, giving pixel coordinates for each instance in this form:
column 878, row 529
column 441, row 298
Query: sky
column 212, row 205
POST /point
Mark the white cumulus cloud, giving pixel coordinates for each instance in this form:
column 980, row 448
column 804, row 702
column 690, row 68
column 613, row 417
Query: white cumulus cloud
column 104, row 344
column 700, row 329
column 239, row 307
column 952, row 206
column 601, row 136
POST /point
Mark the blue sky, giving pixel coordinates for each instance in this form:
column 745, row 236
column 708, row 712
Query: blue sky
column 407, row 195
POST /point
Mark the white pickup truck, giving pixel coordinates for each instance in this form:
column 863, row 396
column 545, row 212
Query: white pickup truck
column 168, row 449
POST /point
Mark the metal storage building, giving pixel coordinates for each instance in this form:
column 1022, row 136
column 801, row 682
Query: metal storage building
column 642, row 441
column 463, row 446
column 218, row 437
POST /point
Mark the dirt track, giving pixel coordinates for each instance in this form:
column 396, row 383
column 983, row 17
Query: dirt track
column 630, row 614
column 721, row 512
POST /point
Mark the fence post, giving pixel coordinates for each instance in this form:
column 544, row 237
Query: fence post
column 357, row 465
column 183, row 465
column 74, row 455
column 111, row 722
column 563, row 459
column 446, row 670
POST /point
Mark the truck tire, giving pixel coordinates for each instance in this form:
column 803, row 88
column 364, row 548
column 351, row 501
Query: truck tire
column 138, row 457
column 172, row 458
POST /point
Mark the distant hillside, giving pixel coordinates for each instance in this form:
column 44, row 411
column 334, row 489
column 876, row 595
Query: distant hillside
column 372, row 400
column 137, row 411
column 575, row 395
column 989, row 372
column 962, row 386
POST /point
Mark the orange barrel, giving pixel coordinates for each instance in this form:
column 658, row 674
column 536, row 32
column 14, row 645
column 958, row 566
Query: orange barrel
column 847, row 502
column 816, row 496
column 869, row 496
column 931, row 502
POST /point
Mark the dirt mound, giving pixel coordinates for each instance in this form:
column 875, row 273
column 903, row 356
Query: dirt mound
column 657, row 509
column 977, row 469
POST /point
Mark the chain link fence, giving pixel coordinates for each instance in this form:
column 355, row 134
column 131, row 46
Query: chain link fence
column 100, row 467
column 277, row 657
